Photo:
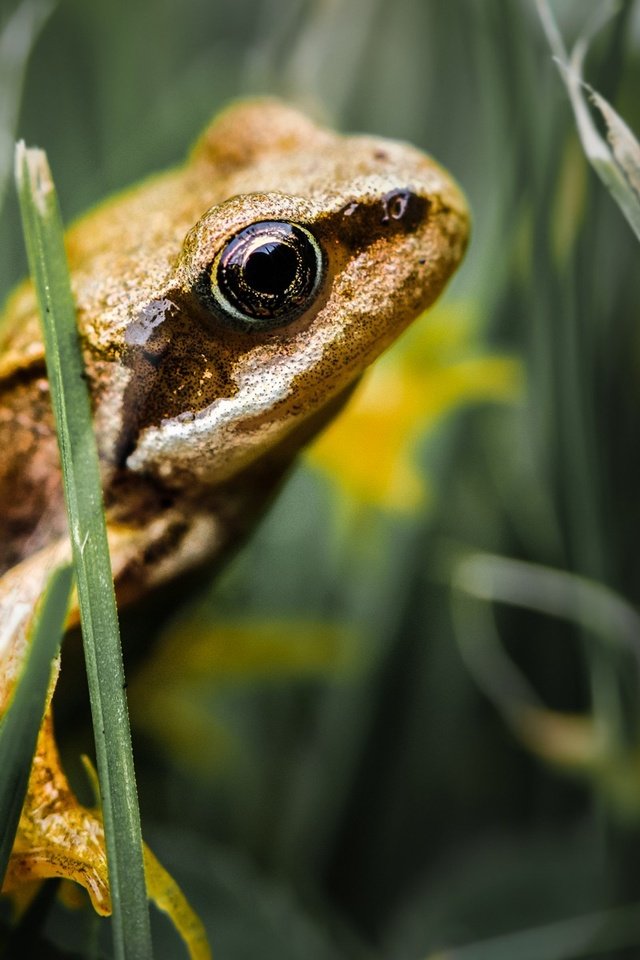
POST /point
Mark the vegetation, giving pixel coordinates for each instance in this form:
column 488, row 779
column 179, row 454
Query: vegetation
column 405, row 721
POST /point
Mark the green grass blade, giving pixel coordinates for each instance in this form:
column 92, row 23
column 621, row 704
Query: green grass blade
column 21, row 723
column 617, row 168
column 571, row 939
column 78, row 453
column 17, row 39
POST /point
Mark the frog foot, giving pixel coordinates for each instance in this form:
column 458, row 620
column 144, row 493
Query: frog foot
column 57, row 836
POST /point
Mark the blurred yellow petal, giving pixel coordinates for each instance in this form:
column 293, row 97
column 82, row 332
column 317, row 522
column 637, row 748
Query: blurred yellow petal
column 170, row 698
column 197, row 650
column 369, row 451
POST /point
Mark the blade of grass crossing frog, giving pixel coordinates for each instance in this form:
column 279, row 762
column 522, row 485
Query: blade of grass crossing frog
column 20, row 725
column 81, row 475
column 164, row 891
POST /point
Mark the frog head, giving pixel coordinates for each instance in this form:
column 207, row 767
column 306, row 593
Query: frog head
column 308, row 253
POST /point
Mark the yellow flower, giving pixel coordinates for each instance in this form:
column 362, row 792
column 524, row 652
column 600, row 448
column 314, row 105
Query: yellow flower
column 436, row 368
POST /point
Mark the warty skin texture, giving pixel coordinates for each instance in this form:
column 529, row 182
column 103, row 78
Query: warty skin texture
column 196, row 421
column 221, row 400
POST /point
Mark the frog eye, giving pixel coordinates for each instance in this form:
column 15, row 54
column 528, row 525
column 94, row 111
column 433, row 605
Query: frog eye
column 265, row 277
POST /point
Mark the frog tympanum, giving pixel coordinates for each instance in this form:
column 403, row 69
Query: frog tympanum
column 225, row 309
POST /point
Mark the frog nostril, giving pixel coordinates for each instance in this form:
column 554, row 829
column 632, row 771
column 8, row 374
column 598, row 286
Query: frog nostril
column 394, row 205
column 404, row 207
column 363, row 221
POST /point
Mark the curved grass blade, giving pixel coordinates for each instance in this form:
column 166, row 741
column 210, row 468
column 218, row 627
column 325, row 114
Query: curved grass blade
column 571, row 939
column 17, row 38
column 96, row 595
column 21, row 723
column 618, row 165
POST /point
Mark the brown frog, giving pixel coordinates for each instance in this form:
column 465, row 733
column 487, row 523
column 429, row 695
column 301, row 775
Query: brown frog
column 226, row 310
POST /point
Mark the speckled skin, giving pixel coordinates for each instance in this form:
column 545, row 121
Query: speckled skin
column 196, row 422
column 217, row 401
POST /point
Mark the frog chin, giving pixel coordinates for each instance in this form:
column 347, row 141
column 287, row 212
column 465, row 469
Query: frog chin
column 208, row 448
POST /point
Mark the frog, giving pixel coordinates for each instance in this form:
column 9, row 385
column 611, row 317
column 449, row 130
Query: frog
column 226, row 310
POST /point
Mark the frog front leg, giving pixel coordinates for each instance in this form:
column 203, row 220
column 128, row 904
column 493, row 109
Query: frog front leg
column 57, row 836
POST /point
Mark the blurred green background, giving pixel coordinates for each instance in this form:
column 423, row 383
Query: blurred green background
column 405, row 722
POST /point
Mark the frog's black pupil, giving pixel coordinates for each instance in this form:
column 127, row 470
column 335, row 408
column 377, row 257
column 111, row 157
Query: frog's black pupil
column 271, row 268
